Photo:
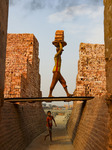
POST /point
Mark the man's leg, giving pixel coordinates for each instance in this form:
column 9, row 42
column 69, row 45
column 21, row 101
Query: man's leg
column 50, row 133
column 63, row 83
column 46, row 136
column 54, row 81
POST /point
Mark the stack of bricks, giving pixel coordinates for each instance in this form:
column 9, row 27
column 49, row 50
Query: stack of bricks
column 91, row 78
column 59, row 35
column 22, row 78
column 88, row 125
column 21, row 123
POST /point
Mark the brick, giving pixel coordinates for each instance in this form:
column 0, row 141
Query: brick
column 21, row 123
column 88, row 125
column 22, row 78
column 91, row 78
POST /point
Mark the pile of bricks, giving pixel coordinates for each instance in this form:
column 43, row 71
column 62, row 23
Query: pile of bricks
column 22, row 78
column 59, row 37
column 91, row 78
column 88, row 125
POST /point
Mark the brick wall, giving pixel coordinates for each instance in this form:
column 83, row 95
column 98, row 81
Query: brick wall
column 20, row 124
column 3, row 37
column 88, row 125
column 22, row 78
column 91, row 78
column 108, row 54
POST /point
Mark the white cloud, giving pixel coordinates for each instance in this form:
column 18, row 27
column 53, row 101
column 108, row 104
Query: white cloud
column 88, row 33
column 70, row 13
column 84, row 22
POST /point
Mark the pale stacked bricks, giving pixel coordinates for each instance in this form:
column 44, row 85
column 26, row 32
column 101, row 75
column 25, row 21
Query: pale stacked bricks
column 88, row 125
column 59, row 35
column 22, row 77
column 91, row 78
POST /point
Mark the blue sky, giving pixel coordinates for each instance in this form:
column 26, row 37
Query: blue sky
column 82, row 21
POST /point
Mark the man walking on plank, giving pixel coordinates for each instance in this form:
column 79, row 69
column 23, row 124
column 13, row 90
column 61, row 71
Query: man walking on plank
column 56, row 70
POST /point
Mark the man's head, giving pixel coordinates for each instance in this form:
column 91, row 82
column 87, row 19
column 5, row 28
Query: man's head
column 49, row 113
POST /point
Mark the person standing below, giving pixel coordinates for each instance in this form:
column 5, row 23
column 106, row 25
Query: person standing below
column 49, row 125
column 56, row 72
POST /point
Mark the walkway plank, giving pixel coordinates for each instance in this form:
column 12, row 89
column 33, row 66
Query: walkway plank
column 48, row 99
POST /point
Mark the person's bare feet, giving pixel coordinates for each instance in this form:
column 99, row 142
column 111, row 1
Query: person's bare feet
column 50, row 96
column 69, row 95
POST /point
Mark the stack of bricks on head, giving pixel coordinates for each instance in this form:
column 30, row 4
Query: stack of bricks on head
column 59, row 37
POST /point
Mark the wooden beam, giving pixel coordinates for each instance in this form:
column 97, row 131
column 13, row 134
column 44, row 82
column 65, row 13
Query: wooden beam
column 48, row 99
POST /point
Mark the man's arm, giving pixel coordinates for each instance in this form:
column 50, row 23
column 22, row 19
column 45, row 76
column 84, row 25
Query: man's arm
column 59, row 52
column 54, row 121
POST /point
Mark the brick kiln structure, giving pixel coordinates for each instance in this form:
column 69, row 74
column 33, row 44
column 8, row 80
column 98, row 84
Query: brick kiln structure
column 88, row 124
column 21, row 123
column 22, row 78
column 91, row 78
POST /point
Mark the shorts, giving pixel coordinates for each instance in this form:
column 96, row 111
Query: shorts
column 49, row 128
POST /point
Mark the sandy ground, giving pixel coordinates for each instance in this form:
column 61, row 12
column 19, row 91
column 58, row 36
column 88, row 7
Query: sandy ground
column 61, row 140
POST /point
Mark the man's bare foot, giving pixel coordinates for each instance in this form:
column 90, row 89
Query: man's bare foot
column 69, row 95
column 50, row 96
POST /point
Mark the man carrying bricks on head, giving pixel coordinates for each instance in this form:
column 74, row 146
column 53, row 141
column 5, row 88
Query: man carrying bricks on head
column 59, row 43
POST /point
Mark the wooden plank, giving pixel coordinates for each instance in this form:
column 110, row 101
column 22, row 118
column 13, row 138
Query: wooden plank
column 48, row 99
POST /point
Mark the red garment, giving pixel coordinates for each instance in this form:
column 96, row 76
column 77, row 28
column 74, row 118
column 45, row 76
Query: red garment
column 49, row 121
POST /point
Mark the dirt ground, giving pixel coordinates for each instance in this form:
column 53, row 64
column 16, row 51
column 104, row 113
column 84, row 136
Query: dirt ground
column 60, row 141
